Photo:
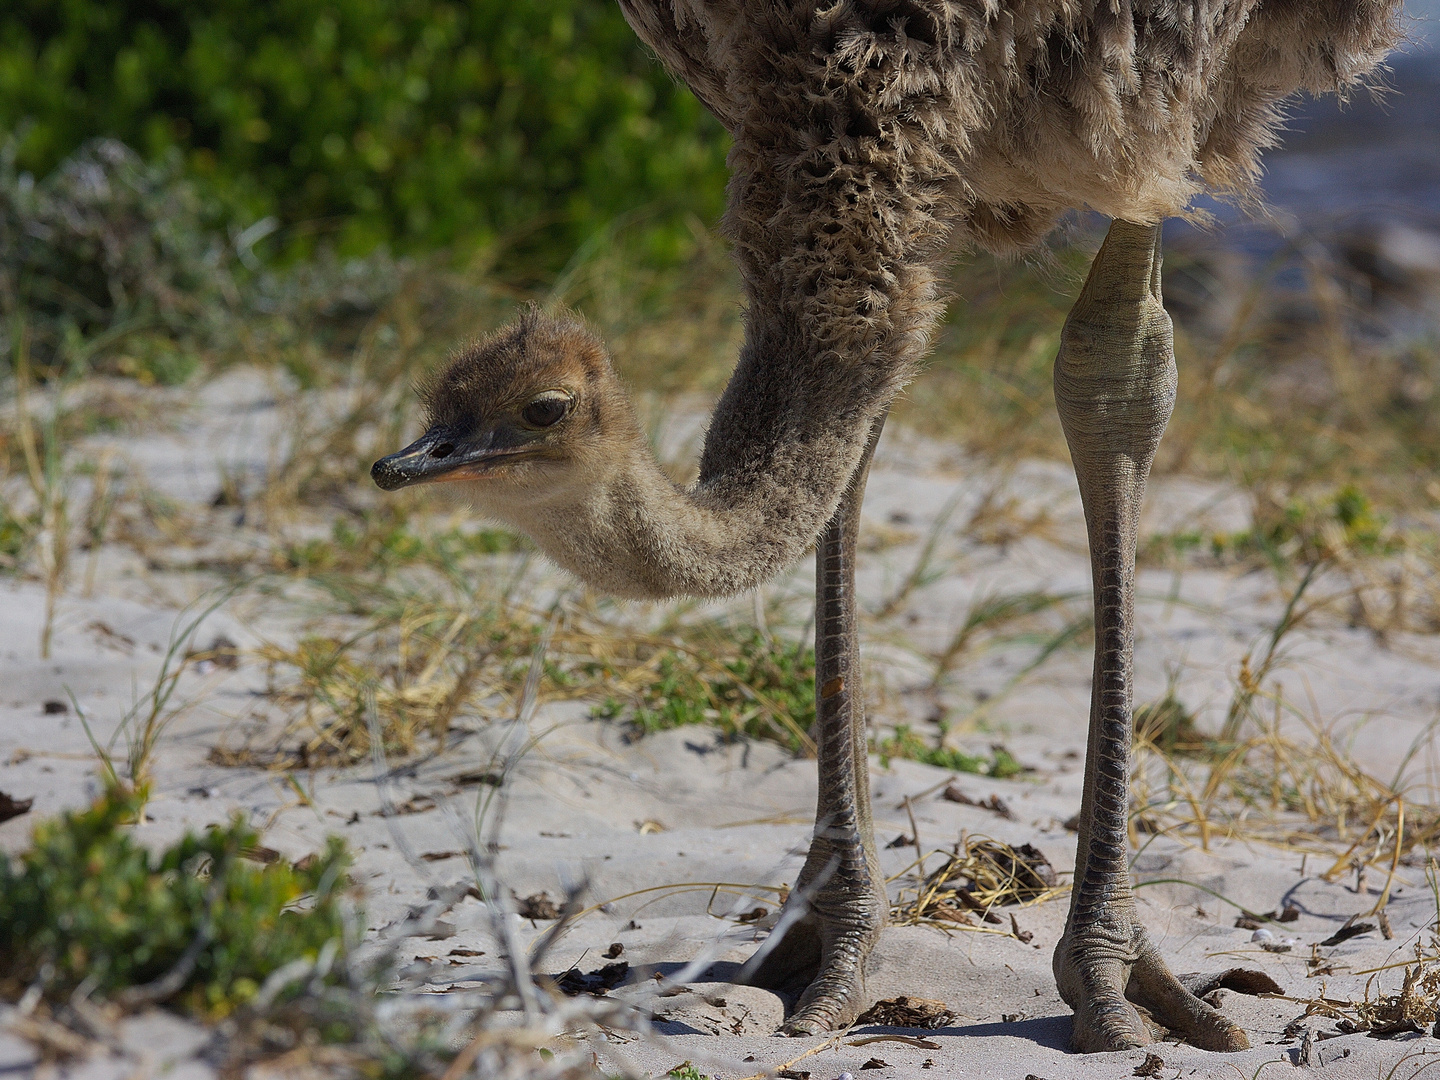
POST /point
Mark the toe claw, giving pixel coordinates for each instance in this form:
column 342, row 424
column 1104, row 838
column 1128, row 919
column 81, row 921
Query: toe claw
column 803, row 1027
column 826, row 965
column 1117, row 1002
column 1173, row 1005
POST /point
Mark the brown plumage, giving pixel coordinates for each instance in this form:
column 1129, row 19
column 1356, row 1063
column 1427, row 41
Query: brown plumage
column 870, row 138
column 1019, row 110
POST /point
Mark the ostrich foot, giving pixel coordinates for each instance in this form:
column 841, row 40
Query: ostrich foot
column 823, row 960
column 1124, row 996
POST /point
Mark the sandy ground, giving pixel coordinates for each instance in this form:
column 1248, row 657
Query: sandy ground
column 588, row 805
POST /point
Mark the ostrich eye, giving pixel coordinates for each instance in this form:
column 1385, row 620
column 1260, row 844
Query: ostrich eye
column 547, row 409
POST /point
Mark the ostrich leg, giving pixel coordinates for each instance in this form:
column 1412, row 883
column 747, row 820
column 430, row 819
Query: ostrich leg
column 1115, row 388
column 840, row 890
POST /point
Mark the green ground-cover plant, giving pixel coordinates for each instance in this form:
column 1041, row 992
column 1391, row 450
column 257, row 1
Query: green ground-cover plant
column 425, row 653
column 1307, row 531
column 417, row 123
column 903, row 742
column 1297, row 531
column 14, row 539
column 199, row 924
column 385, row 539
column 743, row 682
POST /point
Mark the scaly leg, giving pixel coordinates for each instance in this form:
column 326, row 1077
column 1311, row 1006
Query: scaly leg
column 840, row 890
column 1115, row 388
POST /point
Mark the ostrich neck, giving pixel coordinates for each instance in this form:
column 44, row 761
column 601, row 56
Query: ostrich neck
column 785, row 439
column 839, row 265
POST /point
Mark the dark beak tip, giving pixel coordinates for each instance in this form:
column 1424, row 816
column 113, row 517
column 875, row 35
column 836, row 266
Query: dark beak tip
column 386, row 476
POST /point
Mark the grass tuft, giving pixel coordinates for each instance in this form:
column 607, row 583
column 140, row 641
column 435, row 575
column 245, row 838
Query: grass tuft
column 744, row 683
column 907, row 744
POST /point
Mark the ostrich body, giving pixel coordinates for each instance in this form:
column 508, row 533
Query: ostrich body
column 869, row 137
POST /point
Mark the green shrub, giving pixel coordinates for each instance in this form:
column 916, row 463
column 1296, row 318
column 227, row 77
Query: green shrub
column 414, row 122
column 88, row 902
column 108, row 249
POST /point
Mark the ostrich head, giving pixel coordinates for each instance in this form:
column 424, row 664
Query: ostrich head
column 532, row 428
column 522, row 422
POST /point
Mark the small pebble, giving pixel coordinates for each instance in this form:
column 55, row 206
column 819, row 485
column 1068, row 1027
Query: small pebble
column 1262, row 935
column 845, row 1076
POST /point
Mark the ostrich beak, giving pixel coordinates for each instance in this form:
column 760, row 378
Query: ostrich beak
column 442, row 454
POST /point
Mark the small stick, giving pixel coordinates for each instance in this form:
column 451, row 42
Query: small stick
column 818, row 1048
column 915, row 835
column 928, row 791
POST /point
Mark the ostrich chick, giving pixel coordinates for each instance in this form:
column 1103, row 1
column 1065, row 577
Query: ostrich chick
column 870, row 137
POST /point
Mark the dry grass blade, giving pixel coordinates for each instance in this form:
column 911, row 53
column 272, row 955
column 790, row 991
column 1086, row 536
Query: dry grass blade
column 1413, row 1007
column 1305, row 794
column 819, row 1048
column 1276, row 773
column 923, row 572
column 991, row 615
column 48, row 484
column 421, row 668
column 1251, row 678
column 438, row 648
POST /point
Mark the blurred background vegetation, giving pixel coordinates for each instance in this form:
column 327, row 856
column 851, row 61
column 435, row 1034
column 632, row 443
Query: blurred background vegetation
column 415, row 124
column 345, row 187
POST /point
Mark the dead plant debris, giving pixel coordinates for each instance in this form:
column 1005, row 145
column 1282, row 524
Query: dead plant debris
column 1252, row 921
column 956, row 794
column 1260, row 781
column 220, row 653
column 909, row 1012
column 978, row 875
column 1152, row 1066
column 537, row 906
column 596, row 983
column 474, row 777
column 11, row 807
column 1349, row 930
column 1414, row 1007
